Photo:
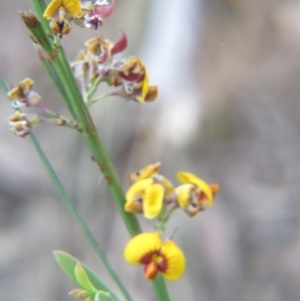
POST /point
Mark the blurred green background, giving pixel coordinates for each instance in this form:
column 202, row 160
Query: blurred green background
column 228, row 72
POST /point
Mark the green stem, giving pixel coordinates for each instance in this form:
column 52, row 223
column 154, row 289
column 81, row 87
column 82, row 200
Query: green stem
column 100, row 97
column 92, row 139
column 72, row 209
column 160, row 288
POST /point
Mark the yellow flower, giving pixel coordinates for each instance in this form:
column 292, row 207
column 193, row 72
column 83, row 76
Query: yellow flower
column 59, row 11
column 165, row 257
column 195, row 194
column 145, row 196
column 148, row 191
column 71, row 8
column 133, row 71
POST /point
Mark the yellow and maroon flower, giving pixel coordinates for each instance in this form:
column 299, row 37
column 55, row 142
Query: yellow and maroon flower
column 60, row 12
column 164, row 257
column 103, row 49
column 132, row 77
column 195, row 194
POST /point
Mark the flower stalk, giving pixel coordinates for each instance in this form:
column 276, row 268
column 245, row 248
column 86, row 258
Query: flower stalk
column 58, row 68
column 73, row 99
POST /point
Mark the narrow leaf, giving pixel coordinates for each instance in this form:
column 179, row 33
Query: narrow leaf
column 68, row 263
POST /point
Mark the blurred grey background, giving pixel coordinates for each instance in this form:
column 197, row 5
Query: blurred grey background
column 228, row 72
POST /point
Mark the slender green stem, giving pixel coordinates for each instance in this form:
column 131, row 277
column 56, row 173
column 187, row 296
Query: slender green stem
column 93, row 86
column 92, row 139
column 71, row 207
column 100, row 97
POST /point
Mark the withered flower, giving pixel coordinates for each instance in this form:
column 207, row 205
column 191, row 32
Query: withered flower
column 24, row 94
column 22, row 123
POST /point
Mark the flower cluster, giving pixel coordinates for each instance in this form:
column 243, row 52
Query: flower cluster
column 23, row 95
column 99, row 63
column 88, row 14
column 155, row 196
column 150, row 192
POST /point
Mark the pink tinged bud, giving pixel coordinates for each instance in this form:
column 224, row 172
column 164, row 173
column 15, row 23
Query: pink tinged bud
column 33, row 99
column 120, row 44
column 103, row 8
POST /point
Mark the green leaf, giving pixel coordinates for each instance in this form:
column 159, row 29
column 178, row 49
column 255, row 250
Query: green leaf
column 68, row 263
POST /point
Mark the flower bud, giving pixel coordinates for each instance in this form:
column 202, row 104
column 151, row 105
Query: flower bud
column 80, row 294
column 83, row 278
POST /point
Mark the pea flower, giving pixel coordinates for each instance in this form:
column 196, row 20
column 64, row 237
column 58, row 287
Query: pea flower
column 145, row 196
column 60, row 12
column 103, row 49
column 147, row 249
column 24, row 95
column 148, row 191
column 132, row 77
column 195, row 194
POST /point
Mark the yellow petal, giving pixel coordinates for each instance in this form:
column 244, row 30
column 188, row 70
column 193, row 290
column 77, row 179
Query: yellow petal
column 21, row 90
column 175, row 260
column 72, row 7
column 146, row 172
column 16, row 94
column 145, row 88
column 25, row 85
column 153, row 200
column 184, row 193
column 141, row 245
column 138, row 189
column 189, row 178
column 52, row 9
column 133, row 206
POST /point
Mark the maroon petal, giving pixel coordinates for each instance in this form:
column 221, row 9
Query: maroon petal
column 120, row 44
column 132, row 77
